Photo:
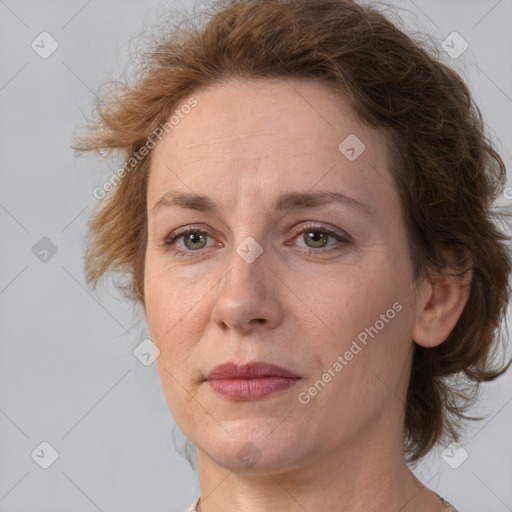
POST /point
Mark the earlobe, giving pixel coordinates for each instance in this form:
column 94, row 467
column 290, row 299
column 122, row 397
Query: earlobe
column 440, row 308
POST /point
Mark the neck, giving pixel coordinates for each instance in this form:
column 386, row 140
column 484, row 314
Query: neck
column 365, row 474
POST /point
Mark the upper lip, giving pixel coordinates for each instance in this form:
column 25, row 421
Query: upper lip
column 253, row 370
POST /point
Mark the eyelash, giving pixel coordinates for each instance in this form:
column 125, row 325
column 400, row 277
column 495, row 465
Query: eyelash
column 308, row 227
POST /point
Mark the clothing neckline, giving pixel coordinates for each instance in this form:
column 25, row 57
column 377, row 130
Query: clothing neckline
column 446, row 506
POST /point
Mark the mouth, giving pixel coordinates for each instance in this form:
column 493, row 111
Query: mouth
column 251, row 381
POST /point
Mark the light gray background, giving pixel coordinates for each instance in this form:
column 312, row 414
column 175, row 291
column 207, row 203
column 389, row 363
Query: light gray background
column 68, row 375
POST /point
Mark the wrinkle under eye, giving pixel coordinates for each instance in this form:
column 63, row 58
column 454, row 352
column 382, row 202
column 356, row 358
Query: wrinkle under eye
column 200, row 235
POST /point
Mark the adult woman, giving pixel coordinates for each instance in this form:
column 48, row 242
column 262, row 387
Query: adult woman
column 301, row 370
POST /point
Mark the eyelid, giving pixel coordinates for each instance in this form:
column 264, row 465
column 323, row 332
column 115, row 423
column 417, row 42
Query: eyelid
column 186, row 229
column 314, row 226
column 169, row 240
column 342, row 237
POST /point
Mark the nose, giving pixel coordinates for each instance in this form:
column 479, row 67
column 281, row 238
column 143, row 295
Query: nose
column 248, row 296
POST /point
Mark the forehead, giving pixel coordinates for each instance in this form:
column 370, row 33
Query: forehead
column 280, row 132
column 240, row 113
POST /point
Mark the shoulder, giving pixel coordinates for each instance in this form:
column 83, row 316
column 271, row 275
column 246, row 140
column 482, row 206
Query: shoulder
column 193, row 507
column 447, row 507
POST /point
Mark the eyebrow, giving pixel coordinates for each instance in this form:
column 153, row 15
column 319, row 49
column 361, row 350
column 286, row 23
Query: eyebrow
column 286, row 202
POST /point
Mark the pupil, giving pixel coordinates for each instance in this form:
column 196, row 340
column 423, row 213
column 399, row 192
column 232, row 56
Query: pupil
column 316, row 237
column 192, row 237
column 321, row 236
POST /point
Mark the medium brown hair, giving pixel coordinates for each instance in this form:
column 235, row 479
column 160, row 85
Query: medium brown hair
column 445, row 169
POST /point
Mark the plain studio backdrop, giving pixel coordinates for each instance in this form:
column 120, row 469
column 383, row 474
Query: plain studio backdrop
column 84, row 425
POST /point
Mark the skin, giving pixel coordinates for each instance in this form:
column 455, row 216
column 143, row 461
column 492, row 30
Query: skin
column 243, row 145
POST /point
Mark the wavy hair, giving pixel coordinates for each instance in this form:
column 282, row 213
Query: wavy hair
column 446, row 171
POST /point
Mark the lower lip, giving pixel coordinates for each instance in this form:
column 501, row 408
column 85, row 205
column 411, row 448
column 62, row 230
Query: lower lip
column 251, row 389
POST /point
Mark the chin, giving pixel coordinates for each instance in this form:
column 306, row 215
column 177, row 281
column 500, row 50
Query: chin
column 255, row 446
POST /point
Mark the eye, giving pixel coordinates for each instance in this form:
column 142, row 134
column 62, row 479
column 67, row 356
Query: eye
column 315, row 237
column 193, row 240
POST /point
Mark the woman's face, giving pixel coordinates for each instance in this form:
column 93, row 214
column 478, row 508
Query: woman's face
column 320, row 286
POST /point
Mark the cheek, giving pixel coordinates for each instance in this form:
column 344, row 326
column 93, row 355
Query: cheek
column 365, row 366
column 176, row 317
column 170, row 323
column 168, row 301
column 370, row 322
column 355, row 298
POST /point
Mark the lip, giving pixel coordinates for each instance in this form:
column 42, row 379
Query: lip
column 253, row 370
column 251, row 381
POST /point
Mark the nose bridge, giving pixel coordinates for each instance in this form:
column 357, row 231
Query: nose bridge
column 245, row 296
column 251, row 229
column 250, row 251
column 247, row 264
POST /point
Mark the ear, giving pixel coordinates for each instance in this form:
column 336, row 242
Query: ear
column 440, row 305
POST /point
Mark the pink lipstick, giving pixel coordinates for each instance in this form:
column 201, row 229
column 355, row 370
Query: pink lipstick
column 251, row 381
